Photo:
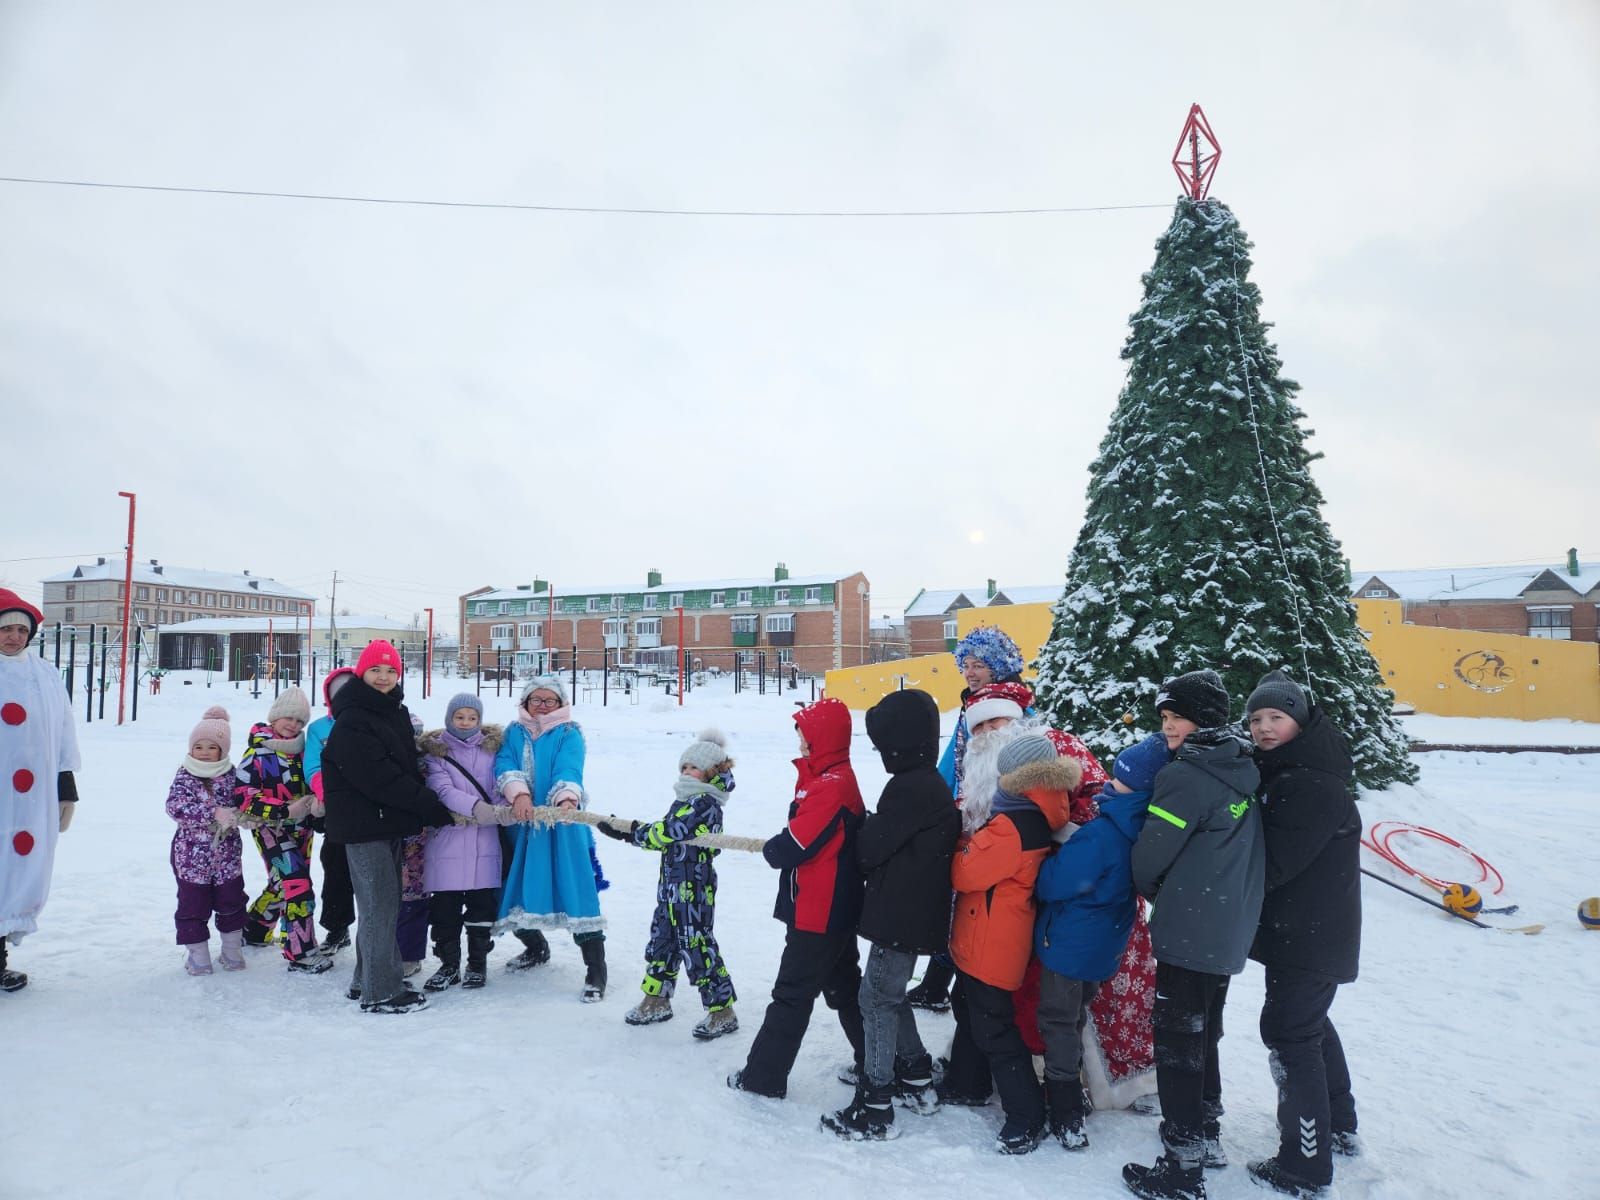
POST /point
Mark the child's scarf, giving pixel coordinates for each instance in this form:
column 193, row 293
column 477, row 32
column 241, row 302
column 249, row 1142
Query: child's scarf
column 538, row 724
column 205, row 770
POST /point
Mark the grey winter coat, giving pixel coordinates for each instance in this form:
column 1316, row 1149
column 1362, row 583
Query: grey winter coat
column 1200, row 856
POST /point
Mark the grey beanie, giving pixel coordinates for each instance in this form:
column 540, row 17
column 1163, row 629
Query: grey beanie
column 291, row 702
column 708, row 752
column 1029, row 748
column 1277, row 690
column 463, row 700
column 544, row 683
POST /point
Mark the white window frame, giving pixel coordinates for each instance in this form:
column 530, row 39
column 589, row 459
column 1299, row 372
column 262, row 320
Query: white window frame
column 1551, row 631
column 813, row 595
column 950, row 629
column 745, row 623
column 650, row 602
column 595, row 604
column 614, row 627
column 744, row 597
column 141, row 593
column 161, row 595
column 530, row 629
column 719, row 599
column 500, row 631
column 1377, row 593
column 503, row 607
column 647, row 626
column 780, row 623
column 211, row 599
column 780, row 595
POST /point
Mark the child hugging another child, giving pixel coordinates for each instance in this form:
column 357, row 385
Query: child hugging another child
column 273, row 797
column 992, row 937
column 681, row 930
column 206, row 850
column 1086, row 913
column 461, row 863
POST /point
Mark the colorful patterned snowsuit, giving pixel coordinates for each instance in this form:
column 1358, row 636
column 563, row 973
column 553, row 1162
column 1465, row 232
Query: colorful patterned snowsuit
column 681, row 930
column 269, row 777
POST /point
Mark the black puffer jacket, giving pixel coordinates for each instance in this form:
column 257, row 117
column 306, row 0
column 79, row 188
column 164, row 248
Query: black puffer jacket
column 371, row 773
column 1311, row 917
column 906, row 846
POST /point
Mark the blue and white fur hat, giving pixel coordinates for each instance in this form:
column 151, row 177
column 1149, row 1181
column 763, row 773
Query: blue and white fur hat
column 993, row 648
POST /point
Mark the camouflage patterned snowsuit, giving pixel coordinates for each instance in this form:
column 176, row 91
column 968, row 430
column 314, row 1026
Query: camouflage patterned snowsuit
column 686, row 896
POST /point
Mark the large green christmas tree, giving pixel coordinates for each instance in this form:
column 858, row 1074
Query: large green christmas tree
column 1204, row 543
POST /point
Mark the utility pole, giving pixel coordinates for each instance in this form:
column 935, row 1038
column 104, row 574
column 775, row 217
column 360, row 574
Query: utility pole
column 127, row 608
column 333, row 607
column 427, row 658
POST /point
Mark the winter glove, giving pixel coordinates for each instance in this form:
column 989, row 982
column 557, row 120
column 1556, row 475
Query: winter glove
column 300, row 806
column 482, row 813
column 504, row 814
column 611, row 831
column 67, row 809
column 226, row 818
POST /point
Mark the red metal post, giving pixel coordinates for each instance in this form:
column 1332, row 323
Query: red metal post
column 127, row 608
column 427, row 658
column 683, row 652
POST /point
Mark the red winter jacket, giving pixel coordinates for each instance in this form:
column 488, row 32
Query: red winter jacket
column 820, row 888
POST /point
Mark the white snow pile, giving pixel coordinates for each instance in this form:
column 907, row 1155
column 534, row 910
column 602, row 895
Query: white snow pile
column 1474, row 1053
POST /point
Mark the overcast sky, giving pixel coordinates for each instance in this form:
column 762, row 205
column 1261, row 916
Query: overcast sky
column 432, row 399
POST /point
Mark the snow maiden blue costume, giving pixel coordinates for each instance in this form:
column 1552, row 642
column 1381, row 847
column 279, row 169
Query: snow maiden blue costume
column 551, row 881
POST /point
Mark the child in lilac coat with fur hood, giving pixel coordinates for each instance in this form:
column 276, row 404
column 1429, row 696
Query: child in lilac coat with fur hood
column 461, row 867
column 206, row 852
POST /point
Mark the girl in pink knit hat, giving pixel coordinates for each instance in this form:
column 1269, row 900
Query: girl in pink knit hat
column 206, row 851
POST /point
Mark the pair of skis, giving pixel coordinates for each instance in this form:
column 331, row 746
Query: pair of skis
column 1470, row 920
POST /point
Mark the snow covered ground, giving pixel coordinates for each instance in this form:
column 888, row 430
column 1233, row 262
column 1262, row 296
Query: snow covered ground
column 1499, row 731
column 1474, row 1053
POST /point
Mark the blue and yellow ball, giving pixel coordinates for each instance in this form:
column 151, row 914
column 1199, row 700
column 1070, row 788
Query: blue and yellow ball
column 1589, row 913
column 1462, row 899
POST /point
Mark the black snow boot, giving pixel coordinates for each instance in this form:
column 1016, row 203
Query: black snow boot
column 1166, row 1180
column 10, row 981
column 478, row 946
column 449, row 972
column 1270, row 1172
column 535, row 951
column 1019, row 1135
column 1065, row 1099
column 594, row 980
column 867, row 1118
column 913, row 1085
column 933, row 993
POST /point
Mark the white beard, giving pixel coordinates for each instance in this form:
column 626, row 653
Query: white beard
column 980, row 771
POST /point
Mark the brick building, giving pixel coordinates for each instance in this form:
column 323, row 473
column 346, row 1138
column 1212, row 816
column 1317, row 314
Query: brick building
column 816, row 622
column 1551, row 601
column 92, row 594
column 930, row 620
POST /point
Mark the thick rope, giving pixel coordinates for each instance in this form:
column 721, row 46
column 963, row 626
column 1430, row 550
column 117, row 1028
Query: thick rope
column 554, row 815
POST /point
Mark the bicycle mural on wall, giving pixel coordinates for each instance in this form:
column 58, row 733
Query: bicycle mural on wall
column 1484, row 671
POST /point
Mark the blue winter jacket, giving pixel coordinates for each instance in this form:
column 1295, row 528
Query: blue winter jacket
column 316, row 737
column 1085, row 891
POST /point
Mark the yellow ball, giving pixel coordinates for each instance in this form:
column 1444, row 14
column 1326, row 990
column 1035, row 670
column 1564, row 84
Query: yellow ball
column 1589, row 913
column 1127, row 718
column 1462, row 899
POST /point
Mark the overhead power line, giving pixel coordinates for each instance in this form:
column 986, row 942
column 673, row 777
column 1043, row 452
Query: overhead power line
column 582, row 208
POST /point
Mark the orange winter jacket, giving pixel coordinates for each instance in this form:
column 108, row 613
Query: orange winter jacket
column 995, row 868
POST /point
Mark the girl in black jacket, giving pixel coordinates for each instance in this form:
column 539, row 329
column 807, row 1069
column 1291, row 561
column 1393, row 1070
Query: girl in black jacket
column 372, row 785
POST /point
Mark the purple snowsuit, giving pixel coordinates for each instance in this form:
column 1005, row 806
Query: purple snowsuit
column 462, row 858
column 209, row 870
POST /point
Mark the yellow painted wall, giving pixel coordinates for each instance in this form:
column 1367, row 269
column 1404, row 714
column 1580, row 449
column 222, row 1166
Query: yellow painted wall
column 862, row 687
column 1454, row 672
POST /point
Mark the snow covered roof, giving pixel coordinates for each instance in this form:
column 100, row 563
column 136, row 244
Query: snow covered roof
column 1478, row 583
column 885, row 624
column 151, row 571
column 687, row 585
column 943, row 600
column 1034, row 593
column 285, row 624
